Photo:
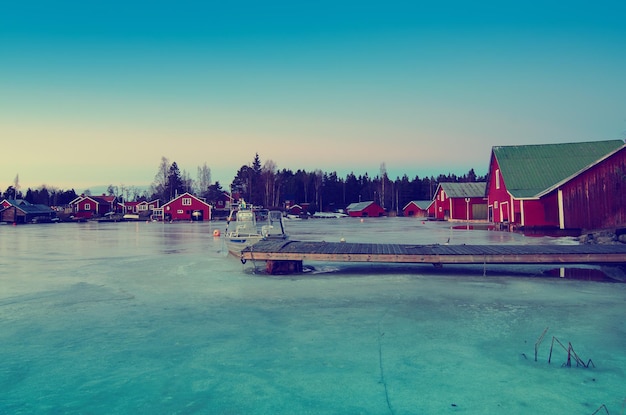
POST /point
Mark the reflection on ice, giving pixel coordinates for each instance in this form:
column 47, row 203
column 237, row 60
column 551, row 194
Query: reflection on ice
column 104, row 322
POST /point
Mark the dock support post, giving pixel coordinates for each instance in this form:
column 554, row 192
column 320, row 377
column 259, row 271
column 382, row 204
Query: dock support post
column 283, row 267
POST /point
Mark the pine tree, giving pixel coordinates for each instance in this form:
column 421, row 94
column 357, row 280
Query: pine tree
column 175, row 185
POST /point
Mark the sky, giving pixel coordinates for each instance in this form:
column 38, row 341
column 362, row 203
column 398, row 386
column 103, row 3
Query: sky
column 96, row 93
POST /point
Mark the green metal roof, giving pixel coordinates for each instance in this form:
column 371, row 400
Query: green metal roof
column 465, row 189
column 529, row 170
column 422, row 204
column 28, row 207
column 35, row 209
column 358, row 206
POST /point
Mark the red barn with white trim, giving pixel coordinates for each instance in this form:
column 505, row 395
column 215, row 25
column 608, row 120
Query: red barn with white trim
column 562, row 186
column 186, row 207
column 419, row 209
column 365, row 209
column 87, row 207
column 461, row 201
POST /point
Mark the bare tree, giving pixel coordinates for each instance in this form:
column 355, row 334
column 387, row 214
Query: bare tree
column 123, row 191
column 268, row 173
column 159, row 185
column 132, row 193
column 112, row 190
column 204, row 180
column 383, row 179
column 188, row 183
column 278, row 181
column 318, row 180
column 16, row 185
column 128, row 193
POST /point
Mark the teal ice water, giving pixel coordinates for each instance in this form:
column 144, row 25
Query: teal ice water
column 153, row 318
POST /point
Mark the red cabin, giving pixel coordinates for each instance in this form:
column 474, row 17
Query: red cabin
column 460, row 201
column 224, row 202
column 185, row 207
column 86, row 207
column 419, row 209
column 365, row 209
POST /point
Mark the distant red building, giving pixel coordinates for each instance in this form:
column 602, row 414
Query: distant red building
column 295, row 210
column 419, row 208
column 224, row 202
column 86, row 207
column 365, row 209
column 184, row 207
column 460, row 201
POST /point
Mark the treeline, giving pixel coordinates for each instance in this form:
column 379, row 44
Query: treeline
column 41, row 196
column 264, row 184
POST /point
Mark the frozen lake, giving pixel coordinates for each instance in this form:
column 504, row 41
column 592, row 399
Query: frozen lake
column 129, row 318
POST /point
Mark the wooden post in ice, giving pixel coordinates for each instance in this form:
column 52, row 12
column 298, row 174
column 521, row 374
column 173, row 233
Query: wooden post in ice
column 539, row 340
column 275, row 267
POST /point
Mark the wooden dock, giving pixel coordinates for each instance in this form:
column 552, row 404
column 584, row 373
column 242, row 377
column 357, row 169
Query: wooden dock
column 283, row 257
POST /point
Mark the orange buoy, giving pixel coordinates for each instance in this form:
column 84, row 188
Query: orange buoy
column 216, row 232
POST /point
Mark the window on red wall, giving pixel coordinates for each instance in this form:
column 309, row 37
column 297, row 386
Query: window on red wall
column 497, row 178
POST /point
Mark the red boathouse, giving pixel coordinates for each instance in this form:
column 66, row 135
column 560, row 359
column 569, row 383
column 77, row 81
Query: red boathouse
column 561, row 186
column 184, row 207
column 365, row 209
column 461, row 201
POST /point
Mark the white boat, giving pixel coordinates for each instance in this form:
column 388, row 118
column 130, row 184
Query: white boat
column 247, row 226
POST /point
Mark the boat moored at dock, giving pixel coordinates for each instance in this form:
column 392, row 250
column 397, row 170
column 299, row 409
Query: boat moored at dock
column 248, row 225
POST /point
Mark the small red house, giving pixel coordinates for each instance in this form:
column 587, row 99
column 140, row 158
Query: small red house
column 295, row 210
column 86, row 207
column 365, row 209
column 460, row 201
column 224, row 202
column 184, row 207
column 419, row 208
column 561, row 186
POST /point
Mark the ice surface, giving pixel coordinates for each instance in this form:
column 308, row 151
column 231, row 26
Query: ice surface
column 121, row 318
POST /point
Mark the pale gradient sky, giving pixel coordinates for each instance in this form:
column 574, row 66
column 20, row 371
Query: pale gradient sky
column 94, row 93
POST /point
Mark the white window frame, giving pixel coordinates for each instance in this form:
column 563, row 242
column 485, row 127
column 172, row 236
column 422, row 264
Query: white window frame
column 186, row 201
